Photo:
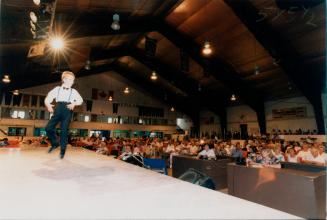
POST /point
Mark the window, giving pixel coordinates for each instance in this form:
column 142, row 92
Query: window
column 16, row 131
column 110, row 120
column 18, row 114
column 87, row 118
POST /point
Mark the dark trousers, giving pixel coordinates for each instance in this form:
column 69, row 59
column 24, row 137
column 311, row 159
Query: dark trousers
column 63, row 115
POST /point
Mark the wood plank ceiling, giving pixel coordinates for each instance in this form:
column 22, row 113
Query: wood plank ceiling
column 87, row 27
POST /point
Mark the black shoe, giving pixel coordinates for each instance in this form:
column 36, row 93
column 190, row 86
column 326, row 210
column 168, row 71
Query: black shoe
column 52, row 148
column 62, row 154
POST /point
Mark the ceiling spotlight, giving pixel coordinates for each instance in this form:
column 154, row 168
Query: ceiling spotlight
column 57, row 43
column 172, row 109
column 199, row 87
column 6, row 79
column 110, row 99
column 154, row 76
column 115, row 24
column 37, row 2
column 33, row 17
column 126, row 91
column 256, row 69
column 87, row 65
column 16, row 92
column 233, row 98
column 206, row 50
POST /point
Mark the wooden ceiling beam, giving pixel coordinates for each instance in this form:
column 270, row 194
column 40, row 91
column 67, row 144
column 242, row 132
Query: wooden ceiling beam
column 171, row 99
column 280, row 49
column 218, row 68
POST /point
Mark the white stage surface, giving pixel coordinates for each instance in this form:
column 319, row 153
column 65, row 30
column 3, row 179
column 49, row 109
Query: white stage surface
column 85, row 185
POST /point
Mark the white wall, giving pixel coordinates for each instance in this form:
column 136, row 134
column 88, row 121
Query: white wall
column 293, row 124
column 209, row 128
column 108, row 81
column 243, row 114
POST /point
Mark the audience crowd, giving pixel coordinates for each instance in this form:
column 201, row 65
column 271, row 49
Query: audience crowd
column 261, row 152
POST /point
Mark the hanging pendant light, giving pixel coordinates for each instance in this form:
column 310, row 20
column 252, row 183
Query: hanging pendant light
column 126, row 91
column 172, row 109
column 6, row 79
column 115, row 24
column 87, row 65
column 233, row 98
column 256, row 69
column 16, row 92
column 110, row 99
column 206, row 50
column 37, row 2
column 154, row 76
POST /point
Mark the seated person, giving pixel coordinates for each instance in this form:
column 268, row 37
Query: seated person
column 207, row 153
column 4, row 142
column 304, row 154
column 26, row 144
column 315, row 158
column 322, row 152
column 126, row 154
column 265, row 159
column 291, row 156
column 102, row 148
column 135, row 158
column 237, row 153
column 278, row 154
column 221, row 152
column 43, row 142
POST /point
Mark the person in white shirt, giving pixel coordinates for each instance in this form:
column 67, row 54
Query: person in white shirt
column 126, row 154
column 315, row 158
column 304, row 154
column 207, row 153
column 66, row 99
column 278, row 154
column 291, row 156
column 322, row 152
column 170, row 148
column 194, row 149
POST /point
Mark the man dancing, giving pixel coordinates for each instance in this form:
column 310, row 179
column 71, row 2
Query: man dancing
column 66, row 99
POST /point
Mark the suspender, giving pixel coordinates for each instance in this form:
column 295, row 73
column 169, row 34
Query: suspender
column 71, row 90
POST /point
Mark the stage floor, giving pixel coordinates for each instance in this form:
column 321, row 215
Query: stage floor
column 85, row 185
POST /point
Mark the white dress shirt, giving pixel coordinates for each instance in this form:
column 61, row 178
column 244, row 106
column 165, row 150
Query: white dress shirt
column 210, row 154
column 319, row 159
column 305, row 155
column 64, row 95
